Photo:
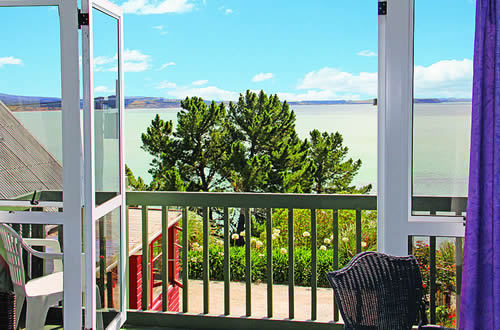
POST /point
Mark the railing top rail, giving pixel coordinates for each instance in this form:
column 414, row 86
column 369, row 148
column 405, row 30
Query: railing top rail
column 297, row 201
column 253, row 200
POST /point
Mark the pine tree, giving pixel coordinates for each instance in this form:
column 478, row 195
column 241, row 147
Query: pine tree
column 189, row 158
column 266, row 153
column 334, row 173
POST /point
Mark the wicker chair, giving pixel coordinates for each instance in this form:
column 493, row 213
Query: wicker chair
column 378, row 291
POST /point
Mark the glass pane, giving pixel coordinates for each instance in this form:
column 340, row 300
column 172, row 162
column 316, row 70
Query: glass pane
column 442, row 105
column 30, row 104
column 108, row 274
column 106, row 121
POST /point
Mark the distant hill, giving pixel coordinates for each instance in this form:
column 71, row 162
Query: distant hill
column 36, row 103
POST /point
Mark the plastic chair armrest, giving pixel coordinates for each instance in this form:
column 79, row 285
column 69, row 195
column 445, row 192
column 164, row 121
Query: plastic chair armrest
column 53, row 255
column 42, row 255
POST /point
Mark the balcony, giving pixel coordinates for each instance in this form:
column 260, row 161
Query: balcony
column 292, row 304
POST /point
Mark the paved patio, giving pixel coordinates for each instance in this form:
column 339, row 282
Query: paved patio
column 259, row 300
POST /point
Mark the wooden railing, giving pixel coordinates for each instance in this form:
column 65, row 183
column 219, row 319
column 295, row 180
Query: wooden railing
column 205, row 202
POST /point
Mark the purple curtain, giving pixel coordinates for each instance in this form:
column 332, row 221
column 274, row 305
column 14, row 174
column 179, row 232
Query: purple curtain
column 480, row 306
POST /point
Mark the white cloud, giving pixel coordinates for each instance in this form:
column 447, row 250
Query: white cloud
column 448, row 78
column 102, row 89
column 135, row 56
column 166, row 85
column 10, row 61
column 148, row 7
column 228, row 11
column 133, row 61
column 262, row 76
column 321, row 95
column 207, row 93
column 166, row 65
column 135, row 66
column 102, row 60
column 368, row 53
column 199, row 82
column 339, row 84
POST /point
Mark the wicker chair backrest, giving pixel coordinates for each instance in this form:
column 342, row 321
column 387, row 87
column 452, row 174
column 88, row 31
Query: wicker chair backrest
column 378, row 291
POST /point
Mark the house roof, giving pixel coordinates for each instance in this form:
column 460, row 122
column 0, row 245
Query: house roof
column 25, row 164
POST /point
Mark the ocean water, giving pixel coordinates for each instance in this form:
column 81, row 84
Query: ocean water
column 440, row 149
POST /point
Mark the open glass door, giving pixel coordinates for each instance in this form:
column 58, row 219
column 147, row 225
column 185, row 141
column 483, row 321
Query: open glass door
column 103, row 165
column 40, row 145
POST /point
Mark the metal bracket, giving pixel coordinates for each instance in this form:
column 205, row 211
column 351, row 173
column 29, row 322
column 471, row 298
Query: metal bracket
column 382, row 8
column 33, row 200
column 83, row 19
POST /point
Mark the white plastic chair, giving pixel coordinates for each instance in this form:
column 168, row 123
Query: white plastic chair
column 40, row 293
column 43, row 292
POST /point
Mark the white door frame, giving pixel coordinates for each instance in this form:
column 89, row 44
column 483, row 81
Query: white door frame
column 93, row 212
column 70, row 217
column 395, row 134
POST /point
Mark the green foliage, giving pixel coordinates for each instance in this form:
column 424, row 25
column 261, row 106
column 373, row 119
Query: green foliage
column 445, row 278
column 266, row 153
column 324, row 219
column 133, row 183
column 334, row 173
column 445, row 253
column 189, row 158
column 446, row 316
column 302, row 270
column 253, row 146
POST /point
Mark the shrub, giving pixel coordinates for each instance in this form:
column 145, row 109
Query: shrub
column 302, row 270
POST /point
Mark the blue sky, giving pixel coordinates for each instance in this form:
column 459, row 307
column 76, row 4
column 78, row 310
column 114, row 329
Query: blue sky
column 302, row 50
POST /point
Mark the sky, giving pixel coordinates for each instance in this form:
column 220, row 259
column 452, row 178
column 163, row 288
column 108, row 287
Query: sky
column 217, row 49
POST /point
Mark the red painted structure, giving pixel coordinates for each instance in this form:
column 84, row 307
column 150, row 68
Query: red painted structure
column 155, row 255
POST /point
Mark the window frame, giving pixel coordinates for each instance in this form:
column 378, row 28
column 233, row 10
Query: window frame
column 395, row 137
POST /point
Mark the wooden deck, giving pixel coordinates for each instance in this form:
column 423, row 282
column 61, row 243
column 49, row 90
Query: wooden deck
column 154, row 226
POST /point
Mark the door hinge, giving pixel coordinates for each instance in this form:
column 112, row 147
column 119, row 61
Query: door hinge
column 382, row 8
column 83, row 19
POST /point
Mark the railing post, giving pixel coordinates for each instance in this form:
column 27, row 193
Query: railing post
column 335, row 258
column 432, row 277
column 164, row 258
column 102, row 259
column 185, row 262
column 269, row 246
column 358, row 231
column 227, row 263
column 206, row 262
column 248, row 262
column 109, row 289
column 291, row 279
column 314, row 267
column 145, row 257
